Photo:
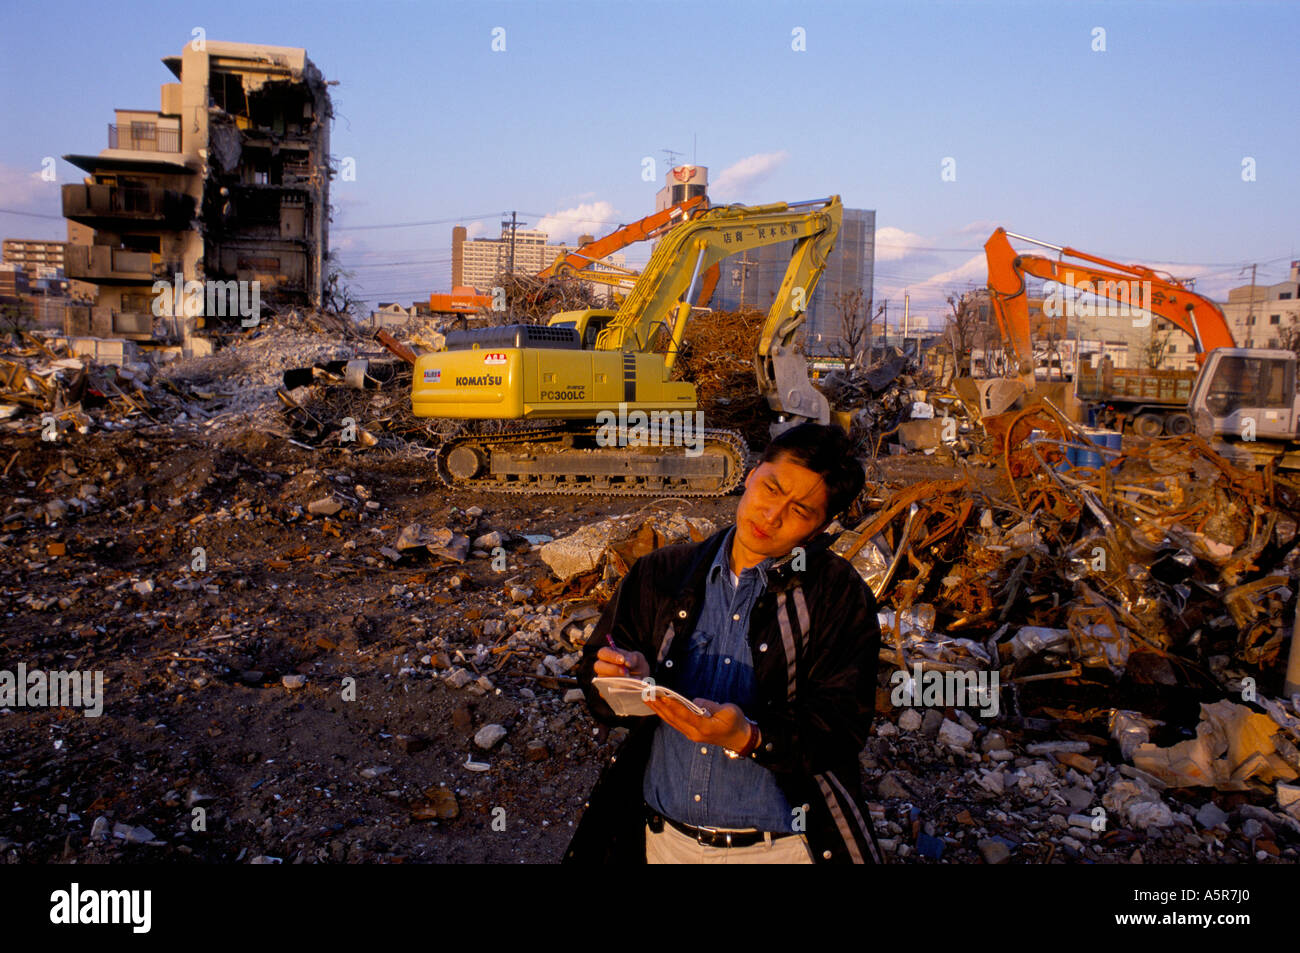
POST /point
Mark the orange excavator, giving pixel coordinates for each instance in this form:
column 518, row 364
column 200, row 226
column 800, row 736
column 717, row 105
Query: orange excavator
column 1134, row 288
column 1247, row 397
column 1134, row 291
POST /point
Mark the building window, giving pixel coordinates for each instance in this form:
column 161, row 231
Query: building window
column 1250, row 319
column 1272, row 342
column 1285, row 296
column 1275, row 319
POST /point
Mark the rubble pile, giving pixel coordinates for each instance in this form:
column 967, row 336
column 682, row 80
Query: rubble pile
column 533, row 300
column 1106, row 602
column 717, row 356
column 892, row 398
column 208, row 534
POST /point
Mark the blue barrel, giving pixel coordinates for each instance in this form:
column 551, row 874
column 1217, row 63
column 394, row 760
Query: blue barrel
column 1112, row 440
column 1086, row 456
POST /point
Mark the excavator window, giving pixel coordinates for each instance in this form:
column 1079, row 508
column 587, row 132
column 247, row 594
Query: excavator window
column 1250, row 382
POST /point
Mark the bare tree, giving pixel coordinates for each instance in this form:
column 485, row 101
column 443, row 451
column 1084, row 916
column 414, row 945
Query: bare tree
column 856, row 323
column 961, row 329
column 1291, row 339
column 1153, row 352
column 337, row 296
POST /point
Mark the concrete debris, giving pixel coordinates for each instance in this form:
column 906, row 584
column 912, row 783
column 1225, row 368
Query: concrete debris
column 488, row 736
column 441, row 543
column 618, row 542
column 1233, row 746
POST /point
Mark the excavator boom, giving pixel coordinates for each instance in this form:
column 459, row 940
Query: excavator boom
column 1135, row 288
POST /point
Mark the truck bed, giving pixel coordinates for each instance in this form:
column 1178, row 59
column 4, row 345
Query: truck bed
column 1134, row 385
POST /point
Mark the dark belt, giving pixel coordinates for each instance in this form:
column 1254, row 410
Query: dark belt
column 708, row 836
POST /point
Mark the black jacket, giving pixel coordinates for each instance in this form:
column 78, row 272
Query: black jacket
column 815, row 640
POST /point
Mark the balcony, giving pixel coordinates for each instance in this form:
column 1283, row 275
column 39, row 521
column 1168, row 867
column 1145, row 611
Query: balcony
column 102, row 264
column 107, row 206
column 143, row 137
column 101, row 322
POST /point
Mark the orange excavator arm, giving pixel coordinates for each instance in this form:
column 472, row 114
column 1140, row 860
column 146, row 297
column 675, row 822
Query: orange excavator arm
column 1135, row 285
column 575, row 261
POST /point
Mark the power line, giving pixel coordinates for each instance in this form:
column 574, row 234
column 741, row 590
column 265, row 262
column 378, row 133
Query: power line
column 14, row 211
column 436, row 221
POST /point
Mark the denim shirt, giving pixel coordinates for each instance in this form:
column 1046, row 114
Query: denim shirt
column 695, row 783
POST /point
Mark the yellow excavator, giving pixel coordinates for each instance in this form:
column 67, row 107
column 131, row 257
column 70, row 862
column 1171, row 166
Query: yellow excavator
column 627, row 427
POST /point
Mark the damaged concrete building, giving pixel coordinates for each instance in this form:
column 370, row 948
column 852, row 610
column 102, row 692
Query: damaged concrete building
column 228, row 181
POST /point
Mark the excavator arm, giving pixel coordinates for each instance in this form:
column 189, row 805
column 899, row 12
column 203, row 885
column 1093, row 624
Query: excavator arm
column 684, row 256
column 1161, row 295
column 574, row 262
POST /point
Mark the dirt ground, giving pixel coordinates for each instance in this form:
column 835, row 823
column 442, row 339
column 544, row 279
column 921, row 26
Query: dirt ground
column 204, row 747
column 195, row 714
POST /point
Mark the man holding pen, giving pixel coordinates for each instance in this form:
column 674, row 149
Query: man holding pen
column 776, row 638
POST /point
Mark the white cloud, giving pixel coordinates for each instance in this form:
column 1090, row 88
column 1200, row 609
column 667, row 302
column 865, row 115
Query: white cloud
column 735, row 181
column 25, row 190
column 589, row 218
column 893, row 244
column 475, row 229
column 981, row 229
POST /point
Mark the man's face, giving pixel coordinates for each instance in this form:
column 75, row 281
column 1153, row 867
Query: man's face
column 783, row 507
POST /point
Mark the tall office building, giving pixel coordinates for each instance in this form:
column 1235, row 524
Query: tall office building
column 752, row 279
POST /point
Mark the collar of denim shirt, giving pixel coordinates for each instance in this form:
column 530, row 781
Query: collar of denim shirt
column 722, row 562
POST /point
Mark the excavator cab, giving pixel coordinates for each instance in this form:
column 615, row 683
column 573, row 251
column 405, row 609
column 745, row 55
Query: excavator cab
column 588, row 323
column 1250, row 393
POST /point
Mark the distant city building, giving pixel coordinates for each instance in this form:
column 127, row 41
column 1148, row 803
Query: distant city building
column 681, row 183
column 1262, row 320
column 13, row 280
column 39, row 258
column 227, row 181
column 477, row 263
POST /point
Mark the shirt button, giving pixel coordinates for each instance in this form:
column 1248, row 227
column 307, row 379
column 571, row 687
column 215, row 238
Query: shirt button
column 704, row 751
column 763, row 647
column 697, row 797
column 826, row 854
column 681, row 614
column 735, row 618
column 668, row 664
column 726, row 661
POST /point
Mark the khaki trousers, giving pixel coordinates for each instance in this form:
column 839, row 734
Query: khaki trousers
column 671, row 846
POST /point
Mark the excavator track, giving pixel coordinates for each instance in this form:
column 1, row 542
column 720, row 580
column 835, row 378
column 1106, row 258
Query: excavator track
column 568, row 460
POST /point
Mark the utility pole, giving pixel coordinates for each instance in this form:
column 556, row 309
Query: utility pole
column 744, row 274
column 513, row 223
column 1250, row 310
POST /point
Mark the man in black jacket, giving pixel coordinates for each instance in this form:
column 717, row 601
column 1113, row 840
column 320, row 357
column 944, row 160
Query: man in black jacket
column 777, row 639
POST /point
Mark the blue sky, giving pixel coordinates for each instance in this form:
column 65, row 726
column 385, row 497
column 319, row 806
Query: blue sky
column 1134, row 152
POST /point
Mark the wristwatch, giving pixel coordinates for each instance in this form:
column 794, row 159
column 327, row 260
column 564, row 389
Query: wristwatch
column 755, row 737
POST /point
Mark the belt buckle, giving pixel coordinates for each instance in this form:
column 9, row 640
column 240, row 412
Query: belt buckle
column 713, row 837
